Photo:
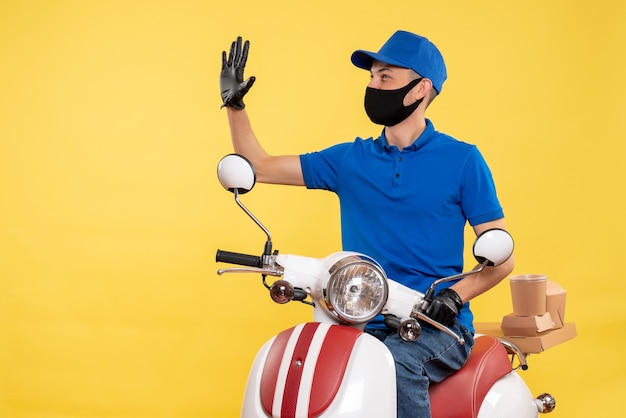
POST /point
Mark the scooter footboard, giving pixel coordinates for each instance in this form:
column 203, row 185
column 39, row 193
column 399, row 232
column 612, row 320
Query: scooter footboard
column 321, row 370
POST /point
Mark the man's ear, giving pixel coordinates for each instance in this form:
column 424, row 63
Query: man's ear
column 425, row 86
column 422, row 90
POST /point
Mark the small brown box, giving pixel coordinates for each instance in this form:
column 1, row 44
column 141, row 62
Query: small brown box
column 529, row 345
column 526, row 326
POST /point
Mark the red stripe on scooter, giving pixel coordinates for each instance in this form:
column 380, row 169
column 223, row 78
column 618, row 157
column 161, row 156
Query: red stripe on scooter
column 331, row 367
column 271, row 369
column 294, row 375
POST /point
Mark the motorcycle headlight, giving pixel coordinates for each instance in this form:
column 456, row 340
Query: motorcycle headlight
column 356, row 290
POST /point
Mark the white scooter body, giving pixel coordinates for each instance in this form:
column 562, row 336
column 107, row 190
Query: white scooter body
column 289, row 369
column 367, row 388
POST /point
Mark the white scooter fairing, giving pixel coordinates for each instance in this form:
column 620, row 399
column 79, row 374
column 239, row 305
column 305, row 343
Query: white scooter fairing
column 321, row 370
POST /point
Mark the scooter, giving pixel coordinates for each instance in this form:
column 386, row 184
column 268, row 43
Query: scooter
column 330, row 367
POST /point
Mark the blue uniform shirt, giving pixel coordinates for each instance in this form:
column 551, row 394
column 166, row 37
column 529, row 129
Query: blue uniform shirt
column 407, row 209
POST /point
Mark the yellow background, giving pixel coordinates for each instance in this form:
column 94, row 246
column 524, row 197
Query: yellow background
column 111, row 212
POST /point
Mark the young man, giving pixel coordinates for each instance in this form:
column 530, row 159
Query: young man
column 405, row 198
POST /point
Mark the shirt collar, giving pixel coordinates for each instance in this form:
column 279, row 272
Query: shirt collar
column 423, row 139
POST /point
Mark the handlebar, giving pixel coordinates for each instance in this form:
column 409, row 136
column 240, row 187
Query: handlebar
column 238, row 258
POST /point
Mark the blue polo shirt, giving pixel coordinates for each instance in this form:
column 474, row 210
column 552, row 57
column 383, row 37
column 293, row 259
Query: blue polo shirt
column 408, row 208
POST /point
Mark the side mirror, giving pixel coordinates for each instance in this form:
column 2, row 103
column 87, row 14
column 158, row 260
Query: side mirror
column 493, row 247
column 236, row 173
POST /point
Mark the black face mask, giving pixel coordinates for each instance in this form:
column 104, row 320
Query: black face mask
column 386, row 107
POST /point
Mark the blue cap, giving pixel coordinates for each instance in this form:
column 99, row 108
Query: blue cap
column 407, row 50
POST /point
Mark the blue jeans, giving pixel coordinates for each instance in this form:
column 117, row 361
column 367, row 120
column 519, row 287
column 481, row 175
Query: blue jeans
column 433, row 357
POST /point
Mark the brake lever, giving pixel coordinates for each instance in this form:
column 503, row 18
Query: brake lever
column 268, row 271
column 425, row 318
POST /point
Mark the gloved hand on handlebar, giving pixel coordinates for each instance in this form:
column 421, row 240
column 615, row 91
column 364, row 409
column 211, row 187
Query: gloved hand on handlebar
column 445, row 307
column 232, row 85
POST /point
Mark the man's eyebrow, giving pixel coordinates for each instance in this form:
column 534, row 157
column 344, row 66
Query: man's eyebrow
column 381, row 69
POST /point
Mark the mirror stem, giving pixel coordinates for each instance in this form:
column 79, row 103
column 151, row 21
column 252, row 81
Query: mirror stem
column 430, row 293
column 268, row 244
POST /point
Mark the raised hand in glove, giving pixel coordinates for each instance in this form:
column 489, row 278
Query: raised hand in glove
column 232, row 85
column 445, row 307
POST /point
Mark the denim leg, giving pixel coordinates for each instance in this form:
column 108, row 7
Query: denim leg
column 434, row 356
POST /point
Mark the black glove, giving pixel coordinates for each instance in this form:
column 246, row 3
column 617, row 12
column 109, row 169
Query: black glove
column 232, row 86
column 445, row 307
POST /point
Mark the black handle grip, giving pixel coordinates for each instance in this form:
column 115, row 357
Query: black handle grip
column 238, row 258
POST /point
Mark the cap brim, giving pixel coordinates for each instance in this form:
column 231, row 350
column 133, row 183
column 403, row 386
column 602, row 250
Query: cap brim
column 365, row 59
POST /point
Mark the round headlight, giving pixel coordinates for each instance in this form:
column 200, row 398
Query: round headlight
column 357, row 289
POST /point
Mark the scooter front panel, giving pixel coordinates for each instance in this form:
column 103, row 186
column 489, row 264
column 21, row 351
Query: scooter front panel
column 319, row 370
column 304, row 369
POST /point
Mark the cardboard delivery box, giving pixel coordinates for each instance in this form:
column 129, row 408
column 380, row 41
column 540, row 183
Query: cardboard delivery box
column 528, row 345
column 526, row 326
column 536, row 332
column 551, row 316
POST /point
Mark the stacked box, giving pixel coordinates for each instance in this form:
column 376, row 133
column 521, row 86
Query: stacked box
column 553, row 317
